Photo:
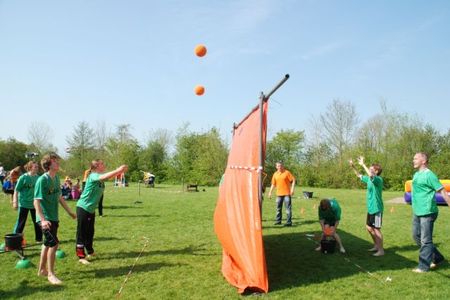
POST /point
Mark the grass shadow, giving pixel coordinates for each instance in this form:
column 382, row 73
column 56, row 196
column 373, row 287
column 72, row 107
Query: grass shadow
column 96, row 239
column 292, row 261
column 134, row 216
column 118, row 206
column 122, row 271
column 25, row 289
column 190, row 250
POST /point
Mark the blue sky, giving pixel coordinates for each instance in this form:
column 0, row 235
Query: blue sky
column 63, row 62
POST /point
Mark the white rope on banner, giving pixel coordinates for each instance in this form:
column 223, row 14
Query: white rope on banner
column 258, row 169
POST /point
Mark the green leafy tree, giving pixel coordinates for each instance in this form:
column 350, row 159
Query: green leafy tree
column 123, row 148
column 286, row 146
column 155, row 156
column 198, row 158
column 12, row 153
column 81, row 150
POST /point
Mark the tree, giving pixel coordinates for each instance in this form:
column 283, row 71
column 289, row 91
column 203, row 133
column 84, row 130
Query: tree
column 198, row 158
column 12, row 153
column 339, row 124
column 40, row 136
column 154, row 157
column 101, row 137
column 286, row 146
column 80, row 148
column 123, row 148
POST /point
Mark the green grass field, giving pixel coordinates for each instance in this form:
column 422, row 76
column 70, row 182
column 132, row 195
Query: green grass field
column 183, row 257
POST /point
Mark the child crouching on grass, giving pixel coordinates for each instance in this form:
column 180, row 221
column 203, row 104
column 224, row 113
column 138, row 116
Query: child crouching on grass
column 47, row 194
column 329, row 217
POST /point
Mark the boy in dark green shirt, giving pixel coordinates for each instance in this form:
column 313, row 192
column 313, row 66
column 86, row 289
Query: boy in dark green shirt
column 47, row 194
column 329, row 216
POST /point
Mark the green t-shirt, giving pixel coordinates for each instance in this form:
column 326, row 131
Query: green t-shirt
column 332, row 215
column 25, row 188
column 374, row 199
column 424, row 185
column 47, row 189
column 92, row 192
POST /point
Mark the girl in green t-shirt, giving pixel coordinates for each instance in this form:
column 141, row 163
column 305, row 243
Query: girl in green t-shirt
column 23, row 200
column 87, row 204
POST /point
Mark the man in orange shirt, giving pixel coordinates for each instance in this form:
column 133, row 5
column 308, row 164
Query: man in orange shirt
column 284, row 181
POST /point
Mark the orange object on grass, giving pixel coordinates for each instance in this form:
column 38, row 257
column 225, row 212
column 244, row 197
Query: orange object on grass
column 200, row 50
column 237, row 218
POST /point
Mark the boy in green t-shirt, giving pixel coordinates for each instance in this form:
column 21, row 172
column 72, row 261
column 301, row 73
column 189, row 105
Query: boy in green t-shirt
column 23, row 200
column 47, row 194
column 425, row 212
column 329, row 213
column 374, row 202
column 87, row 204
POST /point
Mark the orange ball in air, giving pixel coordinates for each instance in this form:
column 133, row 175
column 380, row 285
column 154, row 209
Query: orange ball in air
column 199, row 90
column 200, row 50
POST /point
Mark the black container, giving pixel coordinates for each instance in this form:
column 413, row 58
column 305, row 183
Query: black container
column 307, row 195
column 13, row 241
column 327, row 245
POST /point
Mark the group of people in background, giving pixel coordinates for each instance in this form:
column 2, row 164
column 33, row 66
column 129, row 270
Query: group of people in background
column 41, row 196
column 424, row 208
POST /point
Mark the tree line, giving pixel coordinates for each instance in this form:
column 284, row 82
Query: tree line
column 319, row 159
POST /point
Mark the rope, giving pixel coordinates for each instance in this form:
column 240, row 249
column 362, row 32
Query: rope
column 388, row 279
column 131, row 269
column 258, row 169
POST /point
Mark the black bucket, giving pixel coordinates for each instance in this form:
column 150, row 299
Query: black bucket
column 307, row 195
column 13, row 241
column 327, row 245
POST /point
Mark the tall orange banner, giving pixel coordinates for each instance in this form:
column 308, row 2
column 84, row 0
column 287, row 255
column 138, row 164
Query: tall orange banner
column 237, row 218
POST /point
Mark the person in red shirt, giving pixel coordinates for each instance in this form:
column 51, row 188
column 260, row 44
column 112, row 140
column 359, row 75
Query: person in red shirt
column 284, row 181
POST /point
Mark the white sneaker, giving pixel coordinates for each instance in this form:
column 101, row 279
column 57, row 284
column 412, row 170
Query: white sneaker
column 418, row 270
column 84, row 261
column 342, row 250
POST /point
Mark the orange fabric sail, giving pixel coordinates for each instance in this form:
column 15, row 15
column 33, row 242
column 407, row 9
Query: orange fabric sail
column 237, row 218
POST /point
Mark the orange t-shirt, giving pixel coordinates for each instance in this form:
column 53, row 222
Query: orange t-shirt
column 282, row 181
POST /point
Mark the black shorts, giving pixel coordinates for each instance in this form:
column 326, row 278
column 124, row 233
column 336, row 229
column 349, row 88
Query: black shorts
column 330, row 223
column 374, row 220
column 51, row 235
column 10, row 192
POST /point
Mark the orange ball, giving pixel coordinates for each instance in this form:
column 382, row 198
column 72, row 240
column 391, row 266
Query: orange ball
column 200, row 50
column 328, row 231
column 199, row 90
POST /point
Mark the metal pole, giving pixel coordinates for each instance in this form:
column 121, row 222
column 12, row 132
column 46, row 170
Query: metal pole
column 286, row 77
column 261, row 154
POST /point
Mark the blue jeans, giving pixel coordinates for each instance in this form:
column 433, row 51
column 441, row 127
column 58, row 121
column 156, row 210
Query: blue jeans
column 422, row 231
column 287, row 204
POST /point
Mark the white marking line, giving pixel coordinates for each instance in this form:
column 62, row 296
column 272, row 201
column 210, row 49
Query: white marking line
column 132, row 267
column 388, row 279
